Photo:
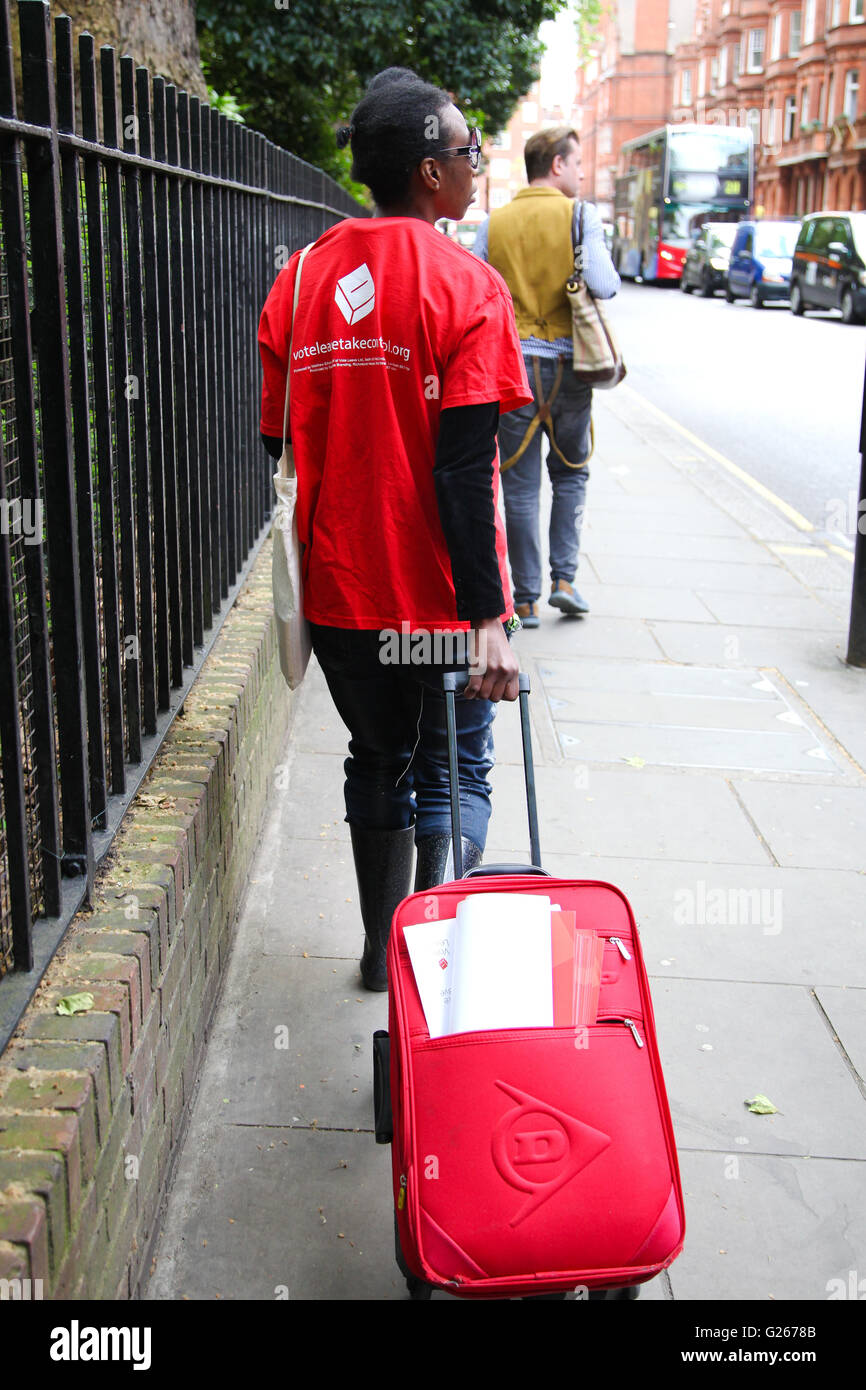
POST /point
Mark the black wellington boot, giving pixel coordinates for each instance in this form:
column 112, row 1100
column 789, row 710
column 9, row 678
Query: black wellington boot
column 383, row 865
column 433, row 852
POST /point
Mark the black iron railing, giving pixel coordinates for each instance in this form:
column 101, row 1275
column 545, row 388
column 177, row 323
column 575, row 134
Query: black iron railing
column 135, row 255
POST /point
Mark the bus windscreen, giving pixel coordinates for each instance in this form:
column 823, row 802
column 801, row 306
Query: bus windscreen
column 713, row 152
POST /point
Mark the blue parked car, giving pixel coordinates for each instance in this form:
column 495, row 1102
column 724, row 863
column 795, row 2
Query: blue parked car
column 761, row 256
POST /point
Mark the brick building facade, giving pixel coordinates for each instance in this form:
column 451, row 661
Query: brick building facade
column 792, row 70
column 625, row 88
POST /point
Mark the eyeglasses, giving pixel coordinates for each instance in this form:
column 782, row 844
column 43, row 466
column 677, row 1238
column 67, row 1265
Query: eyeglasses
column 473, row 149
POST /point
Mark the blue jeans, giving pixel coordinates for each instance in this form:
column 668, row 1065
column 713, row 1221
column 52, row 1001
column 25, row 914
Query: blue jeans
column 398, row 751
column 521, row 484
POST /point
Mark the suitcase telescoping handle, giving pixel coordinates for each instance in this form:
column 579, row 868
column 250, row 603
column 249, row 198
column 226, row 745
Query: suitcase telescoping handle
column 454, row 681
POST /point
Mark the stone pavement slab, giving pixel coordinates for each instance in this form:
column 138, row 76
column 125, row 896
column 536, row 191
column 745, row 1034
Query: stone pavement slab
column 765, row 647
column 722, row 1043
column 692, row 518
column 273, row 1214
column 574, row 678
column 602, row 636
column 314, row 810
column 647, row 814
column 845, row 1006
column 814, row 826
column 700, row 746
column 765, row 610
column 650, row 601
column 603, row 540
column 300, row 1048
column 759, row 1226
column 689, row 574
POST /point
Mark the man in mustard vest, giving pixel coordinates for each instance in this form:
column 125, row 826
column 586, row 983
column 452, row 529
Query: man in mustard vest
column 530, row 243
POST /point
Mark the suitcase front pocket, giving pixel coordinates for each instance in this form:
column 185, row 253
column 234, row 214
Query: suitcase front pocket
column 537, row 1145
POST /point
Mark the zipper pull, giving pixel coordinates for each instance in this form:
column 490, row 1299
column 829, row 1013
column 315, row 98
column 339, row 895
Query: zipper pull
column 628, row 1023
column 401, row 1200
column 620, row 947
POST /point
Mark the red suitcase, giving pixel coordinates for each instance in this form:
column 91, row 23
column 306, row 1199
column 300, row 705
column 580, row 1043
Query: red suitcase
column 534, row 1161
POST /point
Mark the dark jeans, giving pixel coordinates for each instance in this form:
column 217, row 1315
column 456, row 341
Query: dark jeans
column 398, row 751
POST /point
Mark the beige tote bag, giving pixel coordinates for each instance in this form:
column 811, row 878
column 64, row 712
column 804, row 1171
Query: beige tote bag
column 293, row 630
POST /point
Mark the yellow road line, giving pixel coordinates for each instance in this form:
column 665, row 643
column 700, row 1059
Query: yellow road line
column 840, row 550
column 784, row 507
column 797, row 549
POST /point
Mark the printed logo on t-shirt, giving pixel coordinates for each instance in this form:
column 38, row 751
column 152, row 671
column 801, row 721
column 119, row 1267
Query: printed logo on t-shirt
column 355, row 294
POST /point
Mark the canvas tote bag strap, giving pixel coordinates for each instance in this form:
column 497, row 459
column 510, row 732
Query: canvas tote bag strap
column 287, row 467
column 577, row 238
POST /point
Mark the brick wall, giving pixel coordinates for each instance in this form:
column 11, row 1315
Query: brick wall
column 93, row 1106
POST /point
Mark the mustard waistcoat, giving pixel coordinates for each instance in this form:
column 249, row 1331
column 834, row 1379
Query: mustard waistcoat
column 529, row 243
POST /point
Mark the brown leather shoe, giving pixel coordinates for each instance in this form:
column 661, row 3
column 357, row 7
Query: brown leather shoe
column 528, row 614
column 565, row 597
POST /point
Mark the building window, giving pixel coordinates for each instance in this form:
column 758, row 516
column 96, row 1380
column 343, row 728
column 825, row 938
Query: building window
column 756, row 50
column 702, row 77
column 753, row 123
column 771, row 125
column 723, row 66
column 809, row 22
column 686, row 87
column 831, row 91
column 500, row 168
column 726, row 7
column 499, row 197
column 821, row 114
column 796, row 25
column 714, row 74
column 837, row 9
column 529, row 112
column 852, row 88
column 776, row 51
column 790, row 117
column 740, row 56
column 503, row 140
column 804, row 107
column 855, row 15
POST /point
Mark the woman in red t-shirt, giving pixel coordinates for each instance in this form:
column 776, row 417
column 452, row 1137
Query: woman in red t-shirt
column 403, row 352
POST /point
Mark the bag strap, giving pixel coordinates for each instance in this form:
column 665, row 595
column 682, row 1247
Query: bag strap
column 577, row 236
column 290, row 462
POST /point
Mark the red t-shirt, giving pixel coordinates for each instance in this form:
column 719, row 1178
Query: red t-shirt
column 395, row 322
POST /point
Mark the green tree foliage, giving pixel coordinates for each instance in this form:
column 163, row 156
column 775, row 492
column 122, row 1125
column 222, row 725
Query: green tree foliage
column 297, row 67
column 587, row 20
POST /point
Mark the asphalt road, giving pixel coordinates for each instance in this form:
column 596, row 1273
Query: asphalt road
column 779, row 396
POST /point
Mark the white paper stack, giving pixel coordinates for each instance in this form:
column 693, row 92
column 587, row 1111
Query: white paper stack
column 504, row 963
column 431, row 951
column 489, row 968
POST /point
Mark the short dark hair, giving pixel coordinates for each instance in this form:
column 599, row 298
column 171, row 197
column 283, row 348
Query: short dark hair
column 395, row 125
column 391, row 75
column 542, row 148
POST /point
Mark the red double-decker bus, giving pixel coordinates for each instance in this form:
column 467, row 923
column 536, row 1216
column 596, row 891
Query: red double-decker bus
column 670, row 183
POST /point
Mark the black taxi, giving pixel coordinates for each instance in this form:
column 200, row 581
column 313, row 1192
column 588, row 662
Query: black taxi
column 829, row 265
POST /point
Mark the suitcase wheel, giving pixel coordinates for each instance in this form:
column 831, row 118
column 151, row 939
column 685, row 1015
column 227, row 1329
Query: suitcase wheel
column 419, row 1292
